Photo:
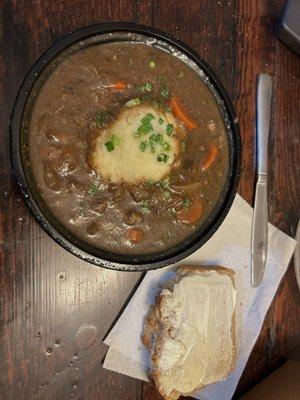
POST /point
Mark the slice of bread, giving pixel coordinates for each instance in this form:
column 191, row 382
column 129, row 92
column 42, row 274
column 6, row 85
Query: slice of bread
column 190, row 331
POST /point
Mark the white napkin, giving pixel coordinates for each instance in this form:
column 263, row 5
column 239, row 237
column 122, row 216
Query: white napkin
column 230, row 247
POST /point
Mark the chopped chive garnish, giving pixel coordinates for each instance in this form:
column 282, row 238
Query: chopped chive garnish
column 163, row 158
column 160, row 139
column 166, row 195
column 149, row 182
column 136, row 135
column 148, row 86
column 146, row 96
column 109, row 146
column 153, row 139
column 160, row 121
column 143, row 146
column 157, row 139
column 152, row 148
column 186, row 203
column 116, row 140
column 164, row 91
column 132, row 102
column 169, row 129
column 151, row 64
column 94, row 189
column 166, row 146
column 145, row 128
column 148, row 118
column 145, row 206
column 181, row 74
column 164, row 183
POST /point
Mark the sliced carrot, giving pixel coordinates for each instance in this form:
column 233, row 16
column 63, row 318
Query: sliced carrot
column 210, row 158
column 191, row 214
column 118, row 86
column 135, row 235
column 179, row 112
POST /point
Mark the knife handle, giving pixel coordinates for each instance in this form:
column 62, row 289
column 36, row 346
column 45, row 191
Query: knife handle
column 263, row 112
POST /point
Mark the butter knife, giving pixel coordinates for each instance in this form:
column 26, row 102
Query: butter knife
column 259, row 240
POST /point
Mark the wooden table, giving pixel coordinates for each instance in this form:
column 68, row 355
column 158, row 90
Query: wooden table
column 55, row 309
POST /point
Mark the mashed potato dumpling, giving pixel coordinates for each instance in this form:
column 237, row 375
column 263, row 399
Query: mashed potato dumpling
column 141, row 144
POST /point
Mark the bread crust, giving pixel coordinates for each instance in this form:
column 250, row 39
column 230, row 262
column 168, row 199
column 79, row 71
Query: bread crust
column 153, row 326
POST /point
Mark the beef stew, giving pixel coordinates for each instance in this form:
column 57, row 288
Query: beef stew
column 128, row 147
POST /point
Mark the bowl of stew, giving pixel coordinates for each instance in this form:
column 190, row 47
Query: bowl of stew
column 125, row 146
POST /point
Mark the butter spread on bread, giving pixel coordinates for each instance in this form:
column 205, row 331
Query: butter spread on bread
column 190, row 331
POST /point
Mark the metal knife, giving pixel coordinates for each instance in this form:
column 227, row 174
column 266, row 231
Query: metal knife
column 259, row 241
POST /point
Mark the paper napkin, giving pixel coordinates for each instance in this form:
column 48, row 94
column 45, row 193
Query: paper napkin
column 230, row 247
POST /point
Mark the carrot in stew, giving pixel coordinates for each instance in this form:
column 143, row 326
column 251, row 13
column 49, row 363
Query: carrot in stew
column 192, row 213
column 210, row 158
column 118, row 86
column 180, row 113
column 135, row 235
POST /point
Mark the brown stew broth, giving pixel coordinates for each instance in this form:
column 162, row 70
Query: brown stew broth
column 62, row 128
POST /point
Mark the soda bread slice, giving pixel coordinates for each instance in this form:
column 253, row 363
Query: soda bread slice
column 190, row 331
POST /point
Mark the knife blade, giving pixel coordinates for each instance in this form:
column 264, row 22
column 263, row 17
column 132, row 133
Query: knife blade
column 259, row 240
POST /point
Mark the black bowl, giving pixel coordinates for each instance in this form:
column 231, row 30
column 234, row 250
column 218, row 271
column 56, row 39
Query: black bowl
column 104, row 33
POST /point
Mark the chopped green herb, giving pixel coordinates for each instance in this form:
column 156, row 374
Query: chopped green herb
column 109, row 146
column 101, row 118
column 169, row 129
column 94, row 189
column 153, row 139
column 160, row 139
column 143, row 146
column 164, row 183
column 116, row 140
column 181, row 74
column 163, row 158
column 166, row 146
column 157, row 139
column 132, row 102
column 164, row 91
column 186, row 203
column 151, row 64
column 161, row 104
column 160, row 121
column 148, row 118
column 166, row 195
column 152, row 148
column 145, row 128
column 148, row 86
column 145, row 206
column 145, row 87
column 146, row 97
column 136, row 135
column 149, row 182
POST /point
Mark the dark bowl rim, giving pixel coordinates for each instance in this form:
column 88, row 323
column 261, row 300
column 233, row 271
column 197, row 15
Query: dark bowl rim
column 18, row 171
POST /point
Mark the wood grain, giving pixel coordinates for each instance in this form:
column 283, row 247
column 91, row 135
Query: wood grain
column 54, row 308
